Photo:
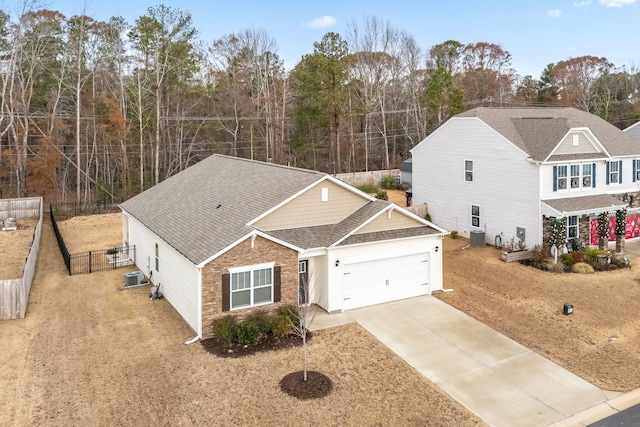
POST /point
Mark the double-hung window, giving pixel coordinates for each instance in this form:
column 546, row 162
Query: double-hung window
column 251, row 285
column 613, row 173
column 475, row 215
column 586, row 174
column 572, row 227
column 575, row 176
column 468, row 170
column 561, row 179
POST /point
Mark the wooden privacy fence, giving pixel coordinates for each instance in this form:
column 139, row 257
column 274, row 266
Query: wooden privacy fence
column 92, row 261
column 14, row 293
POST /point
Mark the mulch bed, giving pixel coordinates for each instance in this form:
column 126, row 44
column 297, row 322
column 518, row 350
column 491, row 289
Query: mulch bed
column 266, row 343
column 317, row 385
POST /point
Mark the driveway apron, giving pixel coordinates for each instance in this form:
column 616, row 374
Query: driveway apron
column 494, row 377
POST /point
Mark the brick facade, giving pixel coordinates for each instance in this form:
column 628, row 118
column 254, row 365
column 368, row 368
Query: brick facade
column 263, row 251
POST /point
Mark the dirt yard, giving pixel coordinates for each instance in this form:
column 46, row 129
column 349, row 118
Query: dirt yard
column 14, row 247
column 90, row 352
column 600, row 341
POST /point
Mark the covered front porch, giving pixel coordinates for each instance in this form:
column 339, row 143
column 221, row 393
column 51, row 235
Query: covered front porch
column 587, row 219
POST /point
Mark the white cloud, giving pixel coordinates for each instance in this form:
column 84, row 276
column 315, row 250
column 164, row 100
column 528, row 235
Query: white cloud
column 582, row 3
column 323, row 22
column 554, row 13
column 616, row 3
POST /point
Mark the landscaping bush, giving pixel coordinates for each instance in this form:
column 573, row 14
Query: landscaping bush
column 382, row 195
column 388, row 182
column 582, row 268
column 556, row 267
column 248, row 333
column 369, row 188
column 567, row 259
column 454, row 234
column 539, row 254
column 263, row 320
column 280, row 326
column 591, row 254
column 225, row 328
column 290, row 312
column 428, row 218
column 578, row 256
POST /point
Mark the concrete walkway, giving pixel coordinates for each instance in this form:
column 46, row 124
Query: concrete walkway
column 494, row 377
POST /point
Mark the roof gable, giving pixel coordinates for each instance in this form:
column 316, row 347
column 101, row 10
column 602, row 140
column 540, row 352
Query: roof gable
column 538, row 131
column 578, row 142
column 206, row 207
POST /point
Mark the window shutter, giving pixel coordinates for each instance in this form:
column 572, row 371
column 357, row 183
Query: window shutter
column 226, row 292
column 633, row 177
column 620, row 173
column 277, row 284
column 593, row 175
column 555, row 178
column 607, row 173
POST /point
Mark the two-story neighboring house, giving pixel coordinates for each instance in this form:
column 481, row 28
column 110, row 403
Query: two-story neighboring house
column 507, row 171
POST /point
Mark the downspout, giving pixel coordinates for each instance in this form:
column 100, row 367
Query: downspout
column 199, row 332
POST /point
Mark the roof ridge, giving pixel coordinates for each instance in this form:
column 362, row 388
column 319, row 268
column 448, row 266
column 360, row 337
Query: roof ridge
column 260, row 162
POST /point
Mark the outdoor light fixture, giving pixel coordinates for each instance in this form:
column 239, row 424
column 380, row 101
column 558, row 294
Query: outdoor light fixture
column 337, row 263
column 437, row 247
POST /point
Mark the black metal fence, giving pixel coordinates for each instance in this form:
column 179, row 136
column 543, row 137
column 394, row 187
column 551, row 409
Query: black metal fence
column 92, row 261
column 68, row 210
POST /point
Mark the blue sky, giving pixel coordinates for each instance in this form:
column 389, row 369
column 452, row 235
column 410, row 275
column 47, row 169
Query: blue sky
column 535, row 32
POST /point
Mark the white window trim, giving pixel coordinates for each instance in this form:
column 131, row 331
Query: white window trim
column 568, row 177
column 577, row 227
column 637, row 170
column 583, row 176
column 473, row 216
column 156, row 254
column 472, row 171
column 617, row 171
column 325, row 194
column 251, row 269
column 565, row 177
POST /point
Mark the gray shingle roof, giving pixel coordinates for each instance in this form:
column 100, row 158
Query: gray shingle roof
column 595, row 203
column 326, row 235
column 537, row 131
column 388, row 235
column 204, row 208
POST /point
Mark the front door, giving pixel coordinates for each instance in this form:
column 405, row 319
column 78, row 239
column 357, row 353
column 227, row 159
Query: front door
column 303, row 280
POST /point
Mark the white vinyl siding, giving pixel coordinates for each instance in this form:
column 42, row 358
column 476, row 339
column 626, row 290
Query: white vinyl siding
column 505, row 185
column 178, row 276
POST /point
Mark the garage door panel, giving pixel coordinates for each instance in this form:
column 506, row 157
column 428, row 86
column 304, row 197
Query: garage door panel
column 375, row 282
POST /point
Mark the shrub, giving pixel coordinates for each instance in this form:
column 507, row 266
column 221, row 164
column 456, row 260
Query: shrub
column 382, row 195
column 225, row 328
column 539, row 254
column 248, row 333
column 388, row 182
column 582, row 268
column 454, row 234
column 592, row 253
column 280, row 326
column 556, row 267
column 428, row 218
column 290, row 312
column 262, row 320
column 567, row 259
column 368, row 188
column 578, row 256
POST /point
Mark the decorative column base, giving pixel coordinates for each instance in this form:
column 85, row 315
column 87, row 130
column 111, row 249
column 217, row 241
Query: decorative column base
column 620, row 243
column 602, row 243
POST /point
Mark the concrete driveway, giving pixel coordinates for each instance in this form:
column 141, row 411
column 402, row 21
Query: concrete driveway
column 494, row 377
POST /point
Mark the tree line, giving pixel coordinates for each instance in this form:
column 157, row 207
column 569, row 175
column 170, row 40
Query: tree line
column 98, row 111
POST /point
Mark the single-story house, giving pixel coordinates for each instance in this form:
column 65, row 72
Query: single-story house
column 504, row 173
column 231, row 235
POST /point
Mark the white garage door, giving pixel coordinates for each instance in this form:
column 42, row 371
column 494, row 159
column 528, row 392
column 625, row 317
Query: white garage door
column 375, row 282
